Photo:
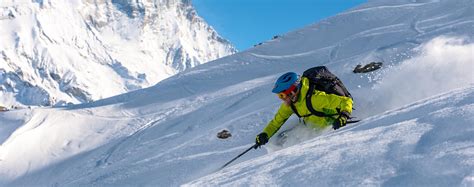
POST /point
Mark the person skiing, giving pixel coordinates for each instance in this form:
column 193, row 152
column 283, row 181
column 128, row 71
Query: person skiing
column 322, row 110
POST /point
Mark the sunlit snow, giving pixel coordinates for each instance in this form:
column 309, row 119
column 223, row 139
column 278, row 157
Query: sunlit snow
column 417, row 113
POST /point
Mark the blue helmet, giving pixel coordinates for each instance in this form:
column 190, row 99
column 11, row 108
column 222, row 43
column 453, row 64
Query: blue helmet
column 285, row 81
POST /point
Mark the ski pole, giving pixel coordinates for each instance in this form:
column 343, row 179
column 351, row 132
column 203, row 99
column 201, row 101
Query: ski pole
column 226, row 164
column 353, row 121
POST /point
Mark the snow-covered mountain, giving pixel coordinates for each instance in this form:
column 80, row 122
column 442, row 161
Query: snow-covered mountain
column 416, row 129
column 56, row 52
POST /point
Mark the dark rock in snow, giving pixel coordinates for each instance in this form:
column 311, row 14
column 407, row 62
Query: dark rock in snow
column 368, row 67
column 224, row 134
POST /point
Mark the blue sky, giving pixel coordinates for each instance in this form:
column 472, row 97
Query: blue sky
column 248, row 22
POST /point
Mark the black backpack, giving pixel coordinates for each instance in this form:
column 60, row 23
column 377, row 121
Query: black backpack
column 320, row 78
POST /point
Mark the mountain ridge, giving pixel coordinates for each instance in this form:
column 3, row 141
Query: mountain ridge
column 81, row 51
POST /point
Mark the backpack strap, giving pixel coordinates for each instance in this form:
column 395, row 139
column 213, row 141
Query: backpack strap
column 297, row 114
column 310, row 106
column 294, row 110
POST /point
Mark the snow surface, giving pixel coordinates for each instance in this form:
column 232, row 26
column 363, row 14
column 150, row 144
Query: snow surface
column 417, row 111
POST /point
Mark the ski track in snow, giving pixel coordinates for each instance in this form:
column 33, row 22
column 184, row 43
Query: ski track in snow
column 378, row 8
column 292, row 55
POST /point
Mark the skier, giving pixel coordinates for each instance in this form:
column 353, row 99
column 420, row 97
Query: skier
column 327, row 109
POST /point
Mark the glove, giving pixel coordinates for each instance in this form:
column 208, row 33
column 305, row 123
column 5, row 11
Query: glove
column 261, row 139
column 340, row 121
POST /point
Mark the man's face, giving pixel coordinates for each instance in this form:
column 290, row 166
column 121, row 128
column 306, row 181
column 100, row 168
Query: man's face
column 289, row 96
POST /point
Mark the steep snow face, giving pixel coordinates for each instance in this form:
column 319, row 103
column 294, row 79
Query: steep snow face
column 56, row 52
column 427, row 143
column 165, row 135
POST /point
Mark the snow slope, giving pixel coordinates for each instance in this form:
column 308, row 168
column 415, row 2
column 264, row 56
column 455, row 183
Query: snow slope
column 59, row 52
column 427, row 143
column 417, row 111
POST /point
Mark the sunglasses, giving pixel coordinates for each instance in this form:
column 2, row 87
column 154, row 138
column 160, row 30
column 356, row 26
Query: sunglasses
column 284, row 94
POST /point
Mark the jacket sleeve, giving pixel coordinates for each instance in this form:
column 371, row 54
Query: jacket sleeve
column 345, row 103
column 280, row 118
column 332, row 102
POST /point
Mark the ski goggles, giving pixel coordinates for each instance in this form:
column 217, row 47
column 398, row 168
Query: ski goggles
column 284, row 94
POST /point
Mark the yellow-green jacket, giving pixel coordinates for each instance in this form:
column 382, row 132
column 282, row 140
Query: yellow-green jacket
column 322, row 102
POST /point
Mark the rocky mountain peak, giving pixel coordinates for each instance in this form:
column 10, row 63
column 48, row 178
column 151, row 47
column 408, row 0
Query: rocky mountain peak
column 59, row 52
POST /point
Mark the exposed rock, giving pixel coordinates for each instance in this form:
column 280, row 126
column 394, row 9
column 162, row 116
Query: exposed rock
column 3, row 109
column 224, row 134
column 55, row 76
column 368, row 67
column 79, row 94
